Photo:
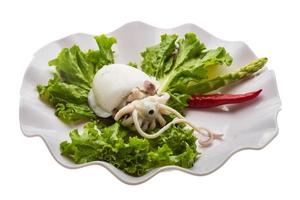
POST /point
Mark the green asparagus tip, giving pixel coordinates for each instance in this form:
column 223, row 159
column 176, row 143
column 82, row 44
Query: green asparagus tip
column 260, row 61
column 255, row 65
column 264, row 60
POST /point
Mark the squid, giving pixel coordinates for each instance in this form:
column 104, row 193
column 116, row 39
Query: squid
column 133, row 98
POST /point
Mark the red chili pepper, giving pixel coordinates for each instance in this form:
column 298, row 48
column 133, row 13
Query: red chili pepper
column 213, row 100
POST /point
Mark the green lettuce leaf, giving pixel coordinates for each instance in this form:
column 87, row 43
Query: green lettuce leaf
column 186, row 67
column 74, row 113
column 158, row 59
column 178, row 101
column 60, row 92
column 189, row 48
column 129, row 152
column 194, row 70
column 103, row 56
column 132, row 64
column 73, row 68
column 69, row 101
column 67, row 91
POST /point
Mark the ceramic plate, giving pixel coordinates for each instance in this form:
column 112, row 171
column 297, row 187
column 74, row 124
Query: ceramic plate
column 248, row 126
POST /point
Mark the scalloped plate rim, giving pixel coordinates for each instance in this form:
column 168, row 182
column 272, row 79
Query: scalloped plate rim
column 160, row 169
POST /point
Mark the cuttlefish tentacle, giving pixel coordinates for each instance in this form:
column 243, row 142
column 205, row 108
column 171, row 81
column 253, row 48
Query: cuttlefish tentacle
column 141, row 125
column 160, row 119
column 166, row 110
column 144, row 134
column 128, row 121
column 152, row 125
column 211, row 136
column 180, row 119
column 145, row 125
column 123, row 111
column 163, row 98
column 203, row 131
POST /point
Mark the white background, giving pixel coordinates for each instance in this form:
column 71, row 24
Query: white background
column 270, row 28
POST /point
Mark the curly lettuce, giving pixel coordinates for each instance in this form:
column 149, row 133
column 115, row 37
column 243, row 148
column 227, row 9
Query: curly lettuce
column 129, row 152
column 158, row 59
column 74, row 71
column 186, row 67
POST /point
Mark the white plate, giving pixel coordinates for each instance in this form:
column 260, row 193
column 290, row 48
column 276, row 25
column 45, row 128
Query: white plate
column 248, row 126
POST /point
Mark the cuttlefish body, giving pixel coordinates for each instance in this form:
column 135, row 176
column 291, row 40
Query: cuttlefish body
column 131, row 96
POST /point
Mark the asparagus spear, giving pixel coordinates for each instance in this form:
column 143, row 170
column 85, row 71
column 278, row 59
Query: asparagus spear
column 205, row 86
